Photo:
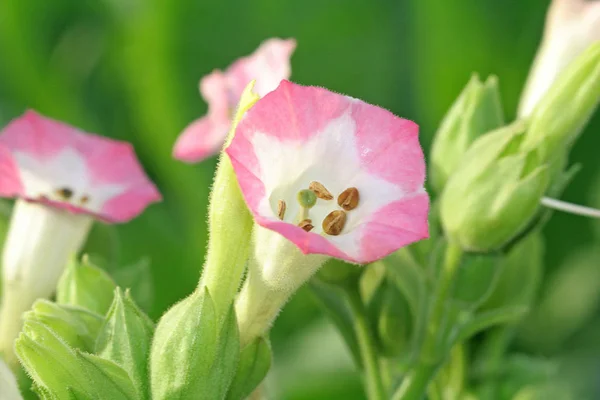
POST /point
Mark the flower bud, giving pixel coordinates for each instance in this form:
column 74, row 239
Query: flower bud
column 194, row 355
column 571, row 26
column 50, row 362
column 125, row 339
column 85, row 285
column 76, row 326
column 476, row 111
column 495, row 192
column 230, row 224
column 563, row 112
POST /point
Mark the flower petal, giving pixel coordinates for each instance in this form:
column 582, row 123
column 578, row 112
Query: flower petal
column 47, row 161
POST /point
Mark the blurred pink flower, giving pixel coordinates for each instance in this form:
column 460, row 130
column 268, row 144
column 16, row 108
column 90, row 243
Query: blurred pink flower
column 296, row 135
column 64, row 179
column 268, row 65
column 46, row 161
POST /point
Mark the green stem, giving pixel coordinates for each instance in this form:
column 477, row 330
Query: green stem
column 366, row 343
column 415, row 384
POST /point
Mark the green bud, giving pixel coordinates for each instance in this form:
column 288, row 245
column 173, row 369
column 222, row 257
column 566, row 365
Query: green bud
column 495, row 192
column 66, row 373
column 255, row 362
column 76, row 326
column 85, row 285
column 476, row 111
column 230, row 225
column 560, row 116
column 125, row 338
column 193, row 356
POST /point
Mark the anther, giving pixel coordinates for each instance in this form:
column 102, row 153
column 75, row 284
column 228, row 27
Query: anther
column 281, row 209
column 348, row 199
column 320, row 190
column 64, row 193
column 84, row 199
column 333, row 224
column 306, row 224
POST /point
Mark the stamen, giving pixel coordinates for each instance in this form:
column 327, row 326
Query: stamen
column 64, row 193
column 348, row 199
column 333, row 224
column 306, row 225
column 281, row 209
column 320, row 190
column 307, row 198
column 84, row 199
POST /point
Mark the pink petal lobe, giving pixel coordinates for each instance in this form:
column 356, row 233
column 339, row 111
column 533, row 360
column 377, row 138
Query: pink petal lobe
column 201, row 139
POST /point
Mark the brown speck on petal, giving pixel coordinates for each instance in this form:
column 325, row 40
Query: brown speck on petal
column 281, row 209
column 84, row 199
column 348, row 199
column 333, row 224
column 306, row 224
column 64, row 193
column 320, row 190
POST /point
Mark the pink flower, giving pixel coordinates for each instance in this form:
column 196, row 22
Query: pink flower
column 268, row 65
column 63, row 179
column 298, row 137
column 48, row 162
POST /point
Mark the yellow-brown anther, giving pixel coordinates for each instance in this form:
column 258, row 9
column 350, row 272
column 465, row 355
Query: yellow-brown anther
column 348, row 199
column 84, row 199
column 64, row 193
column 306, row 224
column 334, row 222
column 281, row 209
column 320, row 190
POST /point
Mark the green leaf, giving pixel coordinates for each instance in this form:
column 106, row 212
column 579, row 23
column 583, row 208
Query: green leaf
column 255, row 362
column 62, row 372
column 394, row 323
column 125, row 338
column 87, row 286
column 487, row 319
column 76, row 326
column 337, row 311
column 183, row 350
column 476, row 279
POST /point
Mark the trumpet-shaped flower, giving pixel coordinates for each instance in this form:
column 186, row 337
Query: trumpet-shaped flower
column 324, row 175
column 364, row 165
column 571, row 27
column 63, row 180
column 268, row 65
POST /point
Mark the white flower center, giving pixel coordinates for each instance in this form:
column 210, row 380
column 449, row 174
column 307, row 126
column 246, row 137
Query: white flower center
column 330, row 157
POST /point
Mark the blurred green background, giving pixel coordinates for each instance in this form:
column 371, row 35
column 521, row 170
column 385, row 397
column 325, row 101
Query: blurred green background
column 129, row 69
